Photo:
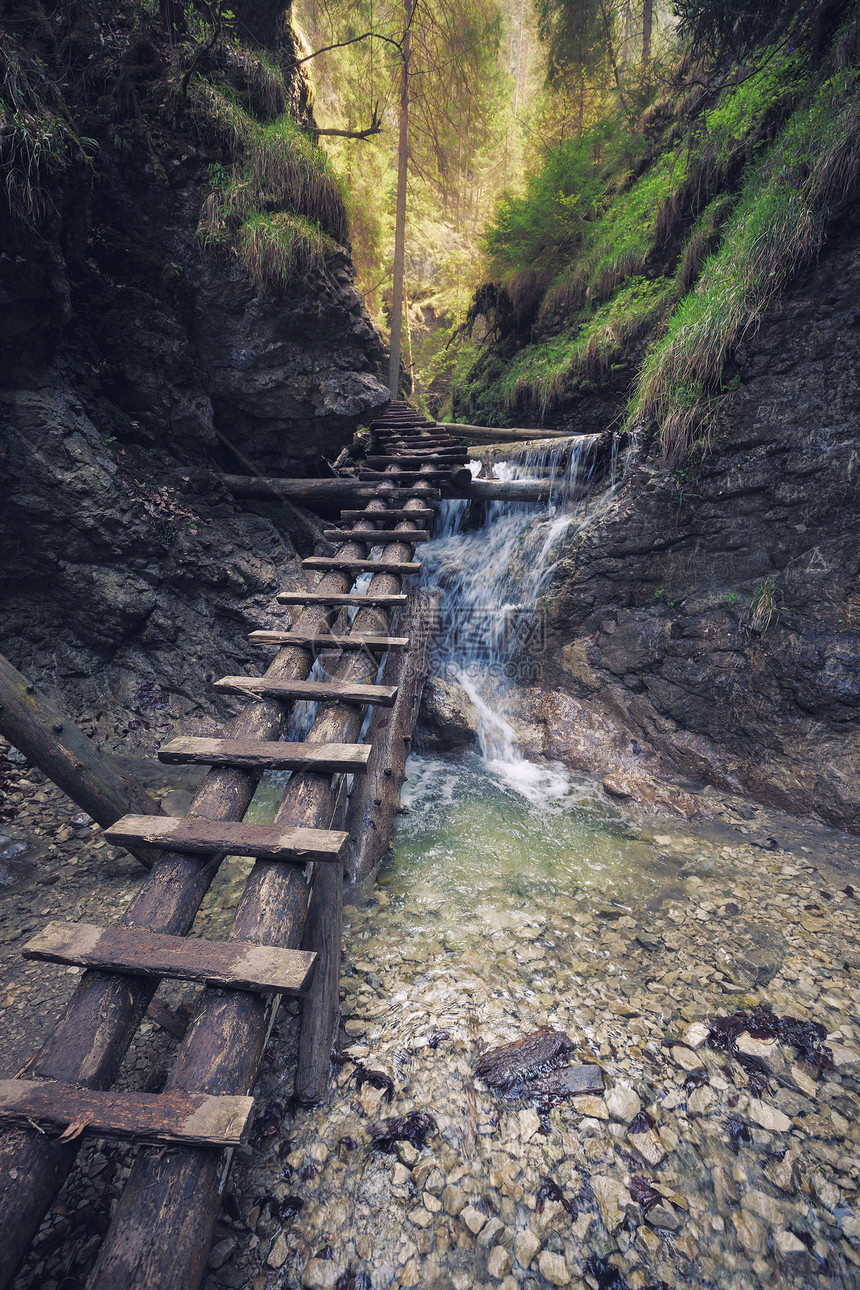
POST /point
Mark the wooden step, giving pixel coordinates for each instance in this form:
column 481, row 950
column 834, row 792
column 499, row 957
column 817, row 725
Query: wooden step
column 407, row 460
column 420, row 513
column 260, row 754
column 398, row 494
column 190, row 1119
column 327, row 640
column 365, row 600
column 233, row 965
column 376, row 537
column 314, row 691
column 376, row 476
column 399, row 567
column 233, row 837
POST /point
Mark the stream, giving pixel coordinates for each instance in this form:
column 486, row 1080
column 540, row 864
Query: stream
column 519, row 896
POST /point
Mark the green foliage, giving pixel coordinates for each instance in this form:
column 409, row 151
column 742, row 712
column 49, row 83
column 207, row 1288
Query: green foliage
column 779, row 223
column 765, row 607
column 280, row 207
column 37, row 136
column 276, row 248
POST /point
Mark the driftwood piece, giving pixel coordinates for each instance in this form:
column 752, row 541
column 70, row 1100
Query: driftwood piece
column 190, row 750
column 314, row 691
column 230, row 837
column 48, row 739
column 375, row 800
column 193, row 1119
column 513, row 1064
column 236, row 965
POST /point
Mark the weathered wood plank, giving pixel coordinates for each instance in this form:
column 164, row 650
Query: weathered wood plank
column 235, row 965
column 397, row 567
column 396, row 473
column 413, row 457
column 344, row 691
column 366, row 600
column 188, row 750
column 48, row 739
column 327, row 640
column 192, row 1119
column 490, row 434
column 309, row 492
column 231, row 837
column 420, row 513
column 376, row 537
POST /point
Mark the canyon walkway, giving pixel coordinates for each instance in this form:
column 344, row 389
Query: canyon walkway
column 284, row 940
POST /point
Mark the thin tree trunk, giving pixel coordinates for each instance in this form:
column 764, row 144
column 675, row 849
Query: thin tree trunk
column 647, row 23
column 519, row 58
column 400, row 212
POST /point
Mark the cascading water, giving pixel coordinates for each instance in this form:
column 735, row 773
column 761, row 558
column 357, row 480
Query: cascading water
column 489, row 635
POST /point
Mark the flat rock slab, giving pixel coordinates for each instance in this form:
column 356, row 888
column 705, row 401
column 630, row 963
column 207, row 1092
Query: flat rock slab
column 568, row 1081
column 192, row 1119
column 511, row 1065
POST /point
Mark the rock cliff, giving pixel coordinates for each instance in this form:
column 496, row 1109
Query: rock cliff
column 708, row 620
column 132, row 368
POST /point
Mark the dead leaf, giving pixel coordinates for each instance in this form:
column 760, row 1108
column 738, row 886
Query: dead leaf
column 74, row 1130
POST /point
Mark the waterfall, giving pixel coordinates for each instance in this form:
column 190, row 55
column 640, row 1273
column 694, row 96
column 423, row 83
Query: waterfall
column 490, row 635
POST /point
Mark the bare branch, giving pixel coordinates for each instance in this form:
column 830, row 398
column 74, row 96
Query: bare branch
column 341, row 44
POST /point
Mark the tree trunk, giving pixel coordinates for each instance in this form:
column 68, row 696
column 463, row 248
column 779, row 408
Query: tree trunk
column 647, row 23
column 400, row 210
column 48, row 739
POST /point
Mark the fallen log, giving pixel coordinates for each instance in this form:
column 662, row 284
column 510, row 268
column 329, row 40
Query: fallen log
column 307, row 492
column 517, row 451
column 48, row 739
column 492, row 434
column 328, row 492
column 375, row 797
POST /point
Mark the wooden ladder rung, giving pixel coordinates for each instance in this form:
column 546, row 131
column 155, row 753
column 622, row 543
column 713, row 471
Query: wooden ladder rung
column 326, row 640
column 233, row 837
column 376, row 537
column 361, row 566
column 191, row 1119
column 364, row 599
column 403, row 493
column 233, row 965
column 410, row 459
column 420, row 513
column 378, row 477
column 346, row 691
column 258, row 754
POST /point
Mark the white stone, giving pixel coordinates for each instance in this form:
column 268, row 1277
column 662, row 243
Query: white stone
column 591, row 1106
column 751, row 1233
column 701, row 1099
column 500, row 1262
column 775, row 1213
column 613, row 1200
column 473, row 1218
column 320, row 1274
column 553, row 1268
column 279, row 1251
column 529, row 1123
column 695, row 1034
column 851, row 1226
column 844, row 1054
column 663, row 1217
column 754, row 1047
column 687, row 1058
column 649, row 1146
column 623, row 1103
column 788, row 1247
column 526, row 1246
column 768, row 1117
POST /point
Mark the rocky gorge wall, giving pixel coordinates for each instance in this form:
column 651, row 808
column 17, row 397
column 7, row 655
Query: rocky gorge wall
column 707, row 625
column 132, row 369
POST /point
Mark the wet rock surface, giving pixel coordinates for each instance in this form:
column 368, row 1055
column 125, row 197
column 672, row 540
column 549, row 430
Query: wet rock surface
column 448, row 717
